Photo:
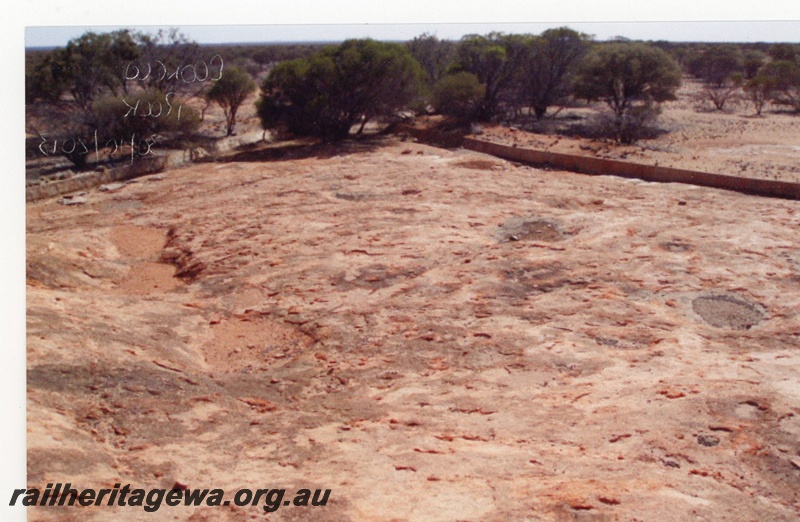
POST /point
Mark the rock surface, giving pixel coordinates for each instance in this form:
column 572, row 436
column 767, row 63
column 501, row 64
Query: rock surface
column 360, row 319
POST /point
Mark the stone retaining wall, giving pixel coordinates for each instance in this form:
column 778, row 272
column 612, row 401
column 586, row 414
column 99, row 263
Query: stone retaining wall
column 599, row 166
column 140, row 167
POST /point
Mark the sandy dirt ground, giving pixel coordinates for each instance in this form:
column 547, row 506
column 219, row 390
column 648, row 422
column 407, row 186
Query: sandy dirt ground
column 431, row 334
column 734, row 142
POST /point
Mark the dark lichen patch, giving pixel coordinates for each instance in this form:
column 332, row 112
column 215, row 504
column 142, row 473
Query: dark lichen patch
column 378, row 276
column 607, row 341
column 724, row 311
column 677, row 246
column 479, row 164
column 75, row 379
column 538, row 279
column 708, row 441
column 529, row 229
column 356, row 196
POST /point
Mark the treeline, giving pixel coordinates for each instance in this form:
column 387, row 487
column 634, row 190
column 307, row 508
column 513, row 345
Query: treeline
column 124, row 85
column 98, row 63
column 510, row 76
column 481, row 77
column 764, row 74
column 127, row 82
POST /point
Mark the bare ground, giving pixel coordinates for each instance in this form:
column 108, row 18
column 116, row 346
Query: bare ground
column 692, row 136
column 432, row 335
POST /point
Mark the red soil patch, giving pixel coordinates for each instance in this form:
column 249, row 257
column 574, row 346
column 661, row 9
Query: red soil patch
column 246, row 344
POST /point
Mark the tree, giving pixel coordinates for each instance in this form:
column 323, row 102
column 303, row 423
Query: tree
column 229, row 92
column 44, row 78
column 715, row 64
column 678, row 51
column 433, row 54
column 459, row 95
column 721, row 69
column 783, row 73
column 721, row 92
column 495, row 60
column 784, row 76
column 784, row 52
column 163, row 54
column 142, row 114
column 550, row 65
column 752, row 61
column 93, row 63
column 332, row 90
column 631, row 78
column 759, row 90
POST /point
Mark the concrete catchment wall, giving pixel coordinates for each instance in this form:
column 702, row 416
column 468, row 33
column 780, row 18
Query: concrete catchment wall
column 599, row 166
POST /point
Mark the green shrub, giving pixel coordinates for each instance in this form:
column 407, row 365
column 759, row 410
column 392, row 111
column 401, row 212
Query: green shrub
column 631, row 78
column 553, row 58
column 636, row 123
column 144, row 113
column 722, row 70
column 332, row 90
column 44, row 79
column 496, row 60
column 759, row 89
column 459, row 95
column 784, row 77
column 230, row 92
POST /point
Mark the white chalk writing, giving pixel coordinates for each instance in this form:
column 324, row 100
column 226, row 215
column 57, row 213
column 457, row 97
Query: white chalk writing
column 133, row 110
column 141, row 147
column 183, row 73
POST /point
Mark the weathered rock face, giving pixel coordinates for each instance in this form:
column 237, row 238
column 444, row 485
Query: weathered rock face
column 365, row 322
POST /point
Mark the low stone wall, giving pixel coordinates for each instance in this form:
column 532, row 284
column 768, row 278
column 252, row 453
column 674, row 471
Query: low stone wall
column 230, row 143
column 599, row 166
column 140, row 167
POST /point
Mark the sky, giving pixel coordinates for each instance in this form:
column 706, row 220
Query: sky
column 53, row 23
column 706, row 31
